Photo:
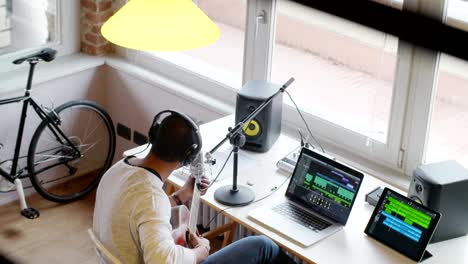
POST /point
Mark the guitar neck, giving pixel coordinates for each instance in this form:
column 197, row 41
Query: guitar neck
column 197, row 169
column 194, row 210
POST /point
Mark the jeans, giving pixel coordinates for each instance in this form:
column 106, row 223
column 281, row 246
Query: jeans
column 249, row 250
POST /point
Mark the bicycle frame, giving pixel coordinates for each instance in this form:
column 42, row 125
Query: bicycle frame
column 43, row 115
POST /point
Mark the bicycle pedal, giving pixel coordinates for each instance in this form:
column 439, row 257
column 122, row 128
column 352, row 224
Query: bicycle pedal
column 30, row 213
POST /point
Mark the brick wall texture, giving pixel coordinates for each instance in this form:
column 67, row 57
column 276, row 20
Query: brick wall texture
column 93, row 14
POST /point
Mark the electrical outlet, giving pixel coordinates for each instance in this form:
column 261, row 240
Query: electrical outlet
column 139, row 138
column 124, row 131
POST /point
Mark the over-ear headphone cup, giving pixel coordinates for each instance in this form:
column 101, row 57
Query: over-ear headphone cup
column 152, row 133
column 190, row 154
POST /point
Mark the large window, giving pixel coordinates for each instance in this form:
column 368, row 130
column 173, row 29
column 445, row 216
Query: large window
column 344, row 71
column 26, row 24
column 365, row 93
column 449, row 121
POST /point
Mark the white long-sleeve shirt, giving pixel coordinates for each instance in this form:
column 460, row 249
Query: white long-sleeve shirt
column 132, row 217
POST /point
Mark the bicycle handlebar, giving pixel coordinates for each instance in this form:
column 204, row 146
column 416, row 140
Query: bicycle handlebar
column 46, row 54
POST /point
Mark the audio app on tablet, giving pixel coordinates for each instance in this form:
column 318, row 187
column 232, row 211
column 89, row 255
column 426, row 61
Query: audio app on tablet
column 402, row 224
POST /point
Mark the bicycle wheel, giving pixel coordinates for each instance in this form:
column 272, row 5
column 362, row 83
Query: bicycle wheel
column 89, row 128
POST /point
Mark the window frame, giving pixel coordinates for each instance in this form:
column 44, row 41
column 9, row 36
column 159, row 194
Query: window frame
column 412, row 99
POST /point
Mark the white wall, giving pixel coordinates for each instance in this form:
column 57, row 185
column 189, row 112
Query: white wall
column 133, row 102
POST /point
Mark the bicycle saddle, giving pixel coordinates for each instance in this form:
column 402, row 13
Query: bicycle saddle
column 46, row 54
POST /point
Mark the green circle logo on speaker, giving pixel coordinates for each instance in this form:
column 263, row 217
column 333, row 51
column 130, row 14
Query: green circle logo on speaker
column 252, row 128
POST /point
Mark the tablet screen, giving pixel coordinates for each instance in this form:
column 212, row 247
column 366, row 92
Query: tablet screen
column 402, row 224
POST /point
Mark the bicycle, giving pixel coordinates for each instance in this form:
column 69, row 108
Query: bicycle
column 70, row 149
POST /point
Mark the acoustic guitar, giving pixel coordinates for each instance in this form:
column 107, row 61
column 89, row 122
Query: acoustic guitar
column 184, row 220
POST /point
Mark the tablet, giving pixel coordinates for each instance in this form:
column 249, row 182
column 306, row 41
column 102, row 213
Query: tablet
column 402, row 224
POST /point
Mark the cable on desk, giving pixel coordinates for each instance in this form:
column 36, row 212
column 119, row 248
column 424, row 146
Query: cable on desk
column 273, row 191
column 258, row 200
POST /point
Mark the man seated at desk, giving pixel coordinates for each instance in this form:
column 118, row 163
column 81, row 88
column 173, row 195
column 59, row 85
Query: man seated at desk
column 132, row 212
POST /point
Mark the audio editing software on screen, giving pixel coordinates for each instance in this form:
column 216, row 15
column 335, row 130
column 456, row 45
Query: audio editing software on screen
column 328, row 189
column 401, row 223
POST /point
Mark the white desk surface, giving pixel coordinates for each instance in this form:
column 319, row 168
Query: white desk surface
column 349, row 245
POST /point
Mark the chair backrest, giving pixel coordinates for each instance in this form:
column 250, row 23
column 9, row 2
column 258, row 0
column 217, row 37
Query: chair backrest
column 101, row 250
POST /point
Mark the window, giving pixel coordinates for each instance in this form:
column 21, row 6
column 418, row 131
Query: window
column 457, row 14
column 344, row 72
column 449, row 121
column 367, row 94
column 37, row 24
column 222, row 60
column 27, row 24
column 5, row 27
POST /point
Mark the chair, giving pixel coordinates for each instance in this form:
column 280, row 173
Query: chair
column 228, row 230
column 101, row 250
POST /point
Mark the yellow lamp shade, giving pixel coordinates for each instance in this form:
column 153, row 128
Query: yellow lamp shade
column 160, row 25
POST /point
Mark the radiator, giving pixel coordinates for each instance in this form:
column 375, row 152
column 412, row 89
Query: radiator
column 205, row 214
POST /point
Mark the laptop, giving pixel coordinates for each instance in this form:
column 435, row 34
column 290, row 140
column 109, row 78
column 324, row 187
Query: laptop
column 318, row 201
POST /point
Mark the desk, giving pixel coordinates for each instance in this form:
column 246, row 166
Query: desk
column 349, row 245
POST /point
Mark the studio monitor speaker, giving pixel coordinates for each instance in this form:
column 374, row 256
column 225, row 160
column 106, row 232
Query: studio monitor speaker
column 265, row 128
column 443, row 187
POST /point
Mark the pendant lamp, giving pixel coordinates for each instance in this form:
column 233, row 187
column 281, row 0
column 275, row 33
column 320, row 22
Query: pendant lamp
column 160, row 25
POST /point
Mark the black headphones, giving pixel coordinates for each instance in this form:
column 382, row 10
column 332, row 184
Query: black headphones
column 187, row 156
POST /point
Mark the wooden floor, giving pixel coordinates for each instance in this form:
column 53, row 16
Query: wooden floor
column 58, row 236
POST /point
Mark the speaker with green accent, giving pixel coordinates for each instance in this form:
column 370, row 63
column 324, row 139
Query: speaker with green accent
column 262, row 131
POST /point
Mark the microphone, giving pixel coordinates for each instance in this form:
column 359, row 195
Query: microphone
column 197, row 168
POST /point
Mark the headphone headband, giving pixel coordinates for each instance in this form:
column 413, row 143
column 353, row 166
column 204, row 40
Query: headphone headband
column 189, row 154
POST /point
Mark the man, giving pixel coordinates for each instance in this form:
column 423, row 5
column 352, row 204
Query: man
column 132, row 213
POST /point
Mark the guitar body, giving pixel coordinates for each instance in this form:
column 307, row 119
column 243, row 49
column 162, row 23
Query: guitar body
column 180, row 216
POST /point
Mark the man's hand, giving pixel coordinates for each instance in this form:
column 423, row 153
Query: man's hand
column 186, row 192
column 201, row 246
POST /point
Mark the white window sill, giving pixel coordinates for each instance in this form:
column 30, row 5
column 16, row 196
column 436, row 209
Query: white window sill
column 15, row 81
column 171, row 86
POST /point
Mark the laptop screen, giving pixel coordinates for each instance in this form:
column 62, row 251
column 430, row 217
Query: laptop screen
column 325, row 186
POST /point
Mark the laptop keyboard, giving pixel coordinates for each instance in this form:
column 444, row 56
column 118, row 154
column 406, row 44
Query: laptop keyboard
column 300, row 216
